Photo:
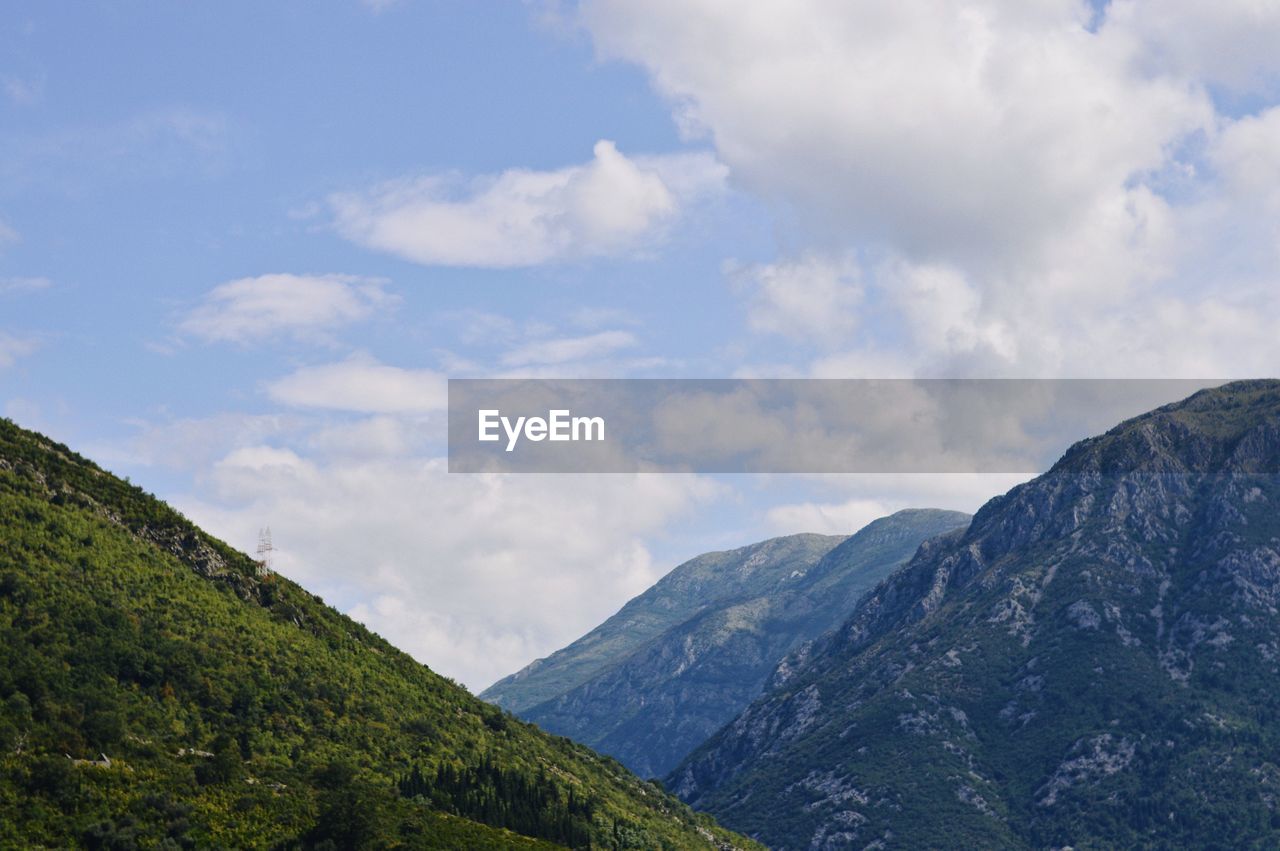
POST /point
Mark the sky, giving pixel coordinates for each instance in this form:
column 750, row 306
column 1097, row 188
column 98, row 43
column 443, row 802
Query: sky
column 243, row 245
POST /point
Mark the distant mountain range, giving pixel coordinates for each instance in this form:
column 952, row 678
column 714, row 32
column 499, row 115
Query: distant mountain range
column 682, row 659
column 159, row 690
column 1093, row 663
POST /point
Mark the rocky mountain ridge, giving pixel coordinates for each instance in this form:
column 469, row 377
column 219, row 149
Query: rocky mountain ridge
column 1092, row 663
column 694, row 586
column 739, row 613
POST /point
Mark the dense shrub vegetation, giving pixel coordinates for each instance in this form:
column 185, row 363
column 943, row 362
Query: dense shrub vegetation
column 155, row 691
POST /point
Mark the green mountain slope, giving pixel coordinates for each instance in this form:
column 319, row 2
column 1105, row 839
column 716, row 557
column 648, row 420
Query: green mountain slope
column 695, row 586
column 155, row 691
column 1094, row 663
column 650, row 706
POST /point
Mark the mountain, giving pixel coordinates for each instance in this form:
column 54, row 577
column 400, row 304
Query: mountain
column 682, row 659
column 700, row 583
column 159, row 690
column 1093, row 663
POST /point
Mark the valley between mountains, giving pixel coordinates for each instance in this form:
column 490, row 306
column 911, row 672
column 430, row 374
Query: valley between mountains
column 685, row 657
column 1090, row 661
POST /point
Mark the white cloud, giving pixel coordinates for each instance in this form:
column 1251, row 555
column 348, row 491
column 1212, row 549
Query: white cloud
column 362, row 384
column 811, row 298
column 192, row 444
column 843, row 518
column 611, row 205
column 960, row 129
column 253, row 309
column 1247, row 153
column 1032, row 189
column 855, row 500
column 369, row 437
column 938, row 303
column 8, row 236
column 474, row 575
column 530, row 347
column 1230, row 42
column 561, row 350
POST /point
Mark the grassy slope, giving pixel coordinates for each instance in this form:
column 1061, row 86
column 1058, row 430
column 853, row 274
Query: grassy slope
column 125, row 630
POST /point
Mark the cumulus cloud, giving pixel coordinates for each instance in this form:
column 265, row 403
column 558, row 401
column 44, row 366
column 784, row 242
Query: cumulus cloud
column 474, row 575
column 612, row 205
column 362, row 384
column 810, row 298
column 952, row 129
column 1036, row 189
column 1247, row 154
column 249, row 310
column 1230, row 43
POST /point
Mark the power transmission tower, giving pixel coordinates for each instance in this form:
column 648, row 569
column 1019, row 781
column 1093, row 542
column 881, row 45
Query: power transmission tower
column 265, row 549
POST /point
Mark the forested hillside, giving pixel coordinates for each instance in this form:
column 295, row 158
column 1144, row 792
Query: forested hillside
column 156, row 691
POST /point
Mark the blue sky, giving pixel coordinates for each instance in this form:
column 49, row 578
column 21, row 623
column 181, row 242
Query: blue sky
column 242, row 245
column 161, row 151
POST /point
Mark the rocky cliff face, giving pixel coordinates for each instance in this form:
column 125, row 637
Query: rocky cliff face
column 651, row 704
column 1094, row 662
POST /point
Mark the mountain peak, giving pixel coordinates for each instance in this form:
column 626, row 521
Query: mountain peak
column 1234, row 427
column 684, row 657
column 689, row 588
column 1092, row 661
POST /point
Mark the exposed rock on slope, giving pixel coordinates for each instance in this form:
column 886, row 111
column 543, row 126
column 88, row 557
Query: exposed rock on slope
column 1094, row 662
column 693, row 587
column 652, row 703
